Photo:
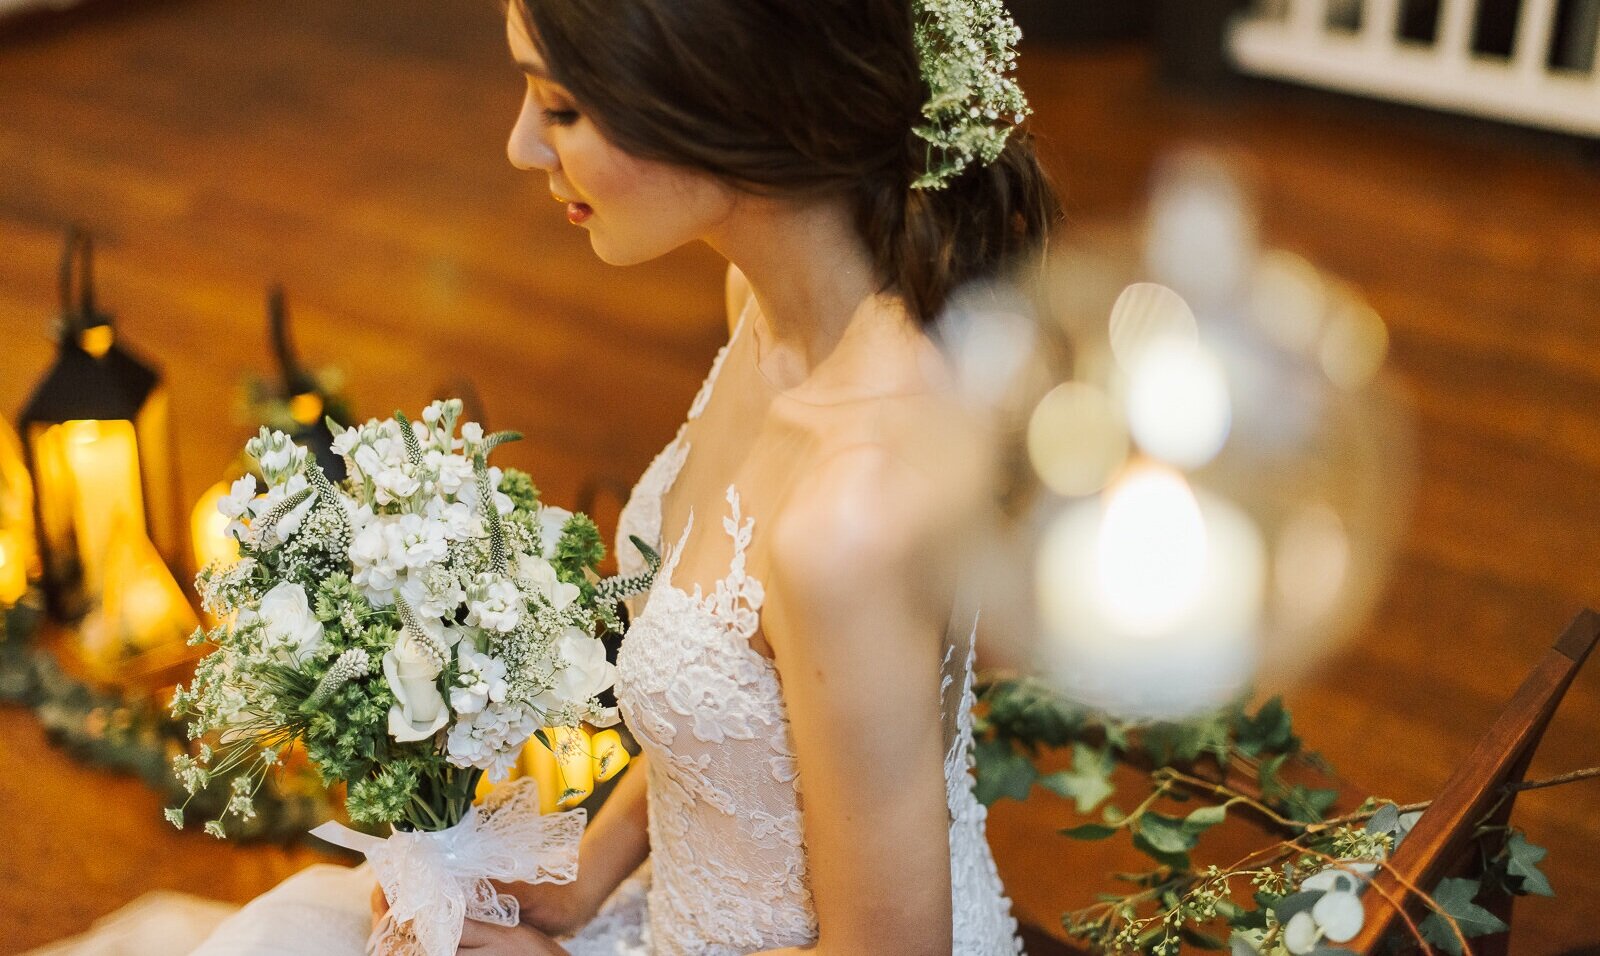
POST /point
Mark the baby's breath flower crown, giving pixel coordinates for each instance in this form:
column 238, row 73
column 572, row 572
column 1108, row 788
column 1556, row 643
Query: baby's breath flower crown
column 966, row 48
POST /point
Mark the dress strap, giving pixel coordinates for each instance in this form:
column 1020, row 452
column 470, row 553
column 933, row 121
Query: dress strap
column 704, row 395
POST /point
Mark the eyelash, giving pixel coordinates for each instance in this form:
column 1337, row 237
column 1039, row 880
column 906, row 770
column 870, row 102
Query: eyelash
column 560, row 117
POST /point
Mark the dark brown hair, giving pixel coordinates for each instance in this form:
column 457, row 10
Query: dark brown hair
column 799, row 98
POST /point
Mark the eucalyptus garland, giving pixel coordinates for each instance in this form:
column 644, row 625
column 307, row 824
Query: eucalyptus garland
column 1293, row 897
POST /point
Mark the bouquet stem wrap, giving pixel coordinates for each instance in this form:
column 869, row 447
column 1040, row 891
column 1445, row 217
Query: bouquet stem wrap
column 436, row 880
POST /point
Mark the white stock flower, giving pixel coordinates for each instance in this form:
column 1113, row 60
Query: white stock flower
column 395, row 483
column 433, row 594
column 346, row 441
column 454, row 471
column 494, row 604
column 416, row 542
column 375, row 573
column 459, row 519
column 491, row 739
column 481, row 680
column 541, row 579
column 237, row 505
column 277, row 454
column 367, row 460
column 551, row 521
column 290, row 522
column 413, row 673
column 287, row 621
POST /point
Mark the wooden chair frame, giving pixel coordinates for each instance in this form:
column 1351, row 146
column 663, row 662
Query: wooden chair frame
column 1479, row 792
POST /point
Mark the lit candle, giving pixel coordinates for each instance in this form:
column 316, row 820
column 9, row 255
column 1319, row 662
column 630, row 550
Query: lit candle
column 1150, row 597
column 89, row 482
column 13, row 567
column 208, row 529
column 143, row 606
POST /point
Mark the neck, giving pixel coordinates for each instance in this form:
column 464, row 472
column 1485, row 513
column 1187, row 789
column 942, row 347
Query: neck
column 810, row 273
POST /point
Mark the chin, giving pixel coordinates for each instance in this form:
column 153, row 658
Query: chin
column 614, row 254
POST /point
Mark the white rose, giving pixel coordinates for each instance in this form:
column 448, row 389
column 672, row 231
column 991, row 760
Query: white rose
column 551, row 521
column 541, row 577
column 587, row 672
column 287, row 621
column 413, row 675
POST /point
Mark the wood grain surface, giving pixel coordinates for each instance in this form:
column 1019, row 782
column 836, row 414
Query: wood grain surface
column 355, row 151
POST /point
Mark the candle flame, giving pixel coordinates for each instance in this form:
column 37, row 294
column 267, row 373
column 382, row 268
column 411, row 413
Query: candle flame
column 1151, row 552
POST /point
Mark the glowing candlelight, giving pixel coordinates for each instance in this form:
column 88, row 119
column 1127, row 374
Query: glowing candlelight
column 143, row 606
column 1151, row 597
column 13, row 566
column 208, row 529
column 89, row 483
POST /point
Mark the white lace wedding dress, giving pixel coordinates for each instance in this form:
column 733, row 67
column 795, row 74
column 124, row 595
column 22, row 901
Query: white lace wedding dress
column 727, row 872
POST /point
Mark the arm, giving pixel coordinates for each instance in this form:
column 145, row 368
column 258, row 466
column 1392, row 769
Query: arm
column 615, row 842
column 857, row 632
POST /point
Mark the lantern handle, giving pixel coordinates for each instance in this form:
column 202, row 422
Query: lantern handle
column 77, row 284
column 295, row 380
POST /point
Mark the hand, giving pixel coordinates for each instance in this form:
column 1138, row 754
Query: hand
column 558, row 909
column 487, row 939
column 380, row 905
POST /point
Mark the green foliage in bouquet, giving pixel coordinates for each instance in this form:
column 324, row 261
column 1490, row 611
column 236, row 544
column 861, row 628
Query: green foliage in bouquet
column 409, row 628
column 1295, row 896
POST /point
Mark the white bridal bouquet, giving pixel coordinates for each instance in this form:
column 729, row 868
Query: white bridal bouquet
column 411, row 628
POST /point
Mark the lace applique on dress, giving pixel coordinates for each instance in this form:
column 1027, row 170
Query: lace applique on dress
column 726, row 838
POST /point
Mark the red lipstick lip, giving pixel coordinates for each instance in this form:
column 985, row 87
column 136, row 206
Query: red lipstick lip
column 578, row 212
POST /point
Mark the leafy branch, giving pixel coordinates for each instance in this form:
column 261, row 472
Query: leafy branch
column 1298, row 895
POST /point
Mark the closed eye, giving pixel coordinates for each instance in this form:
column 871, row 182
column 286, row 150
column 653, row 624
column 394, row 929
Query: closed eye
column 560, row 117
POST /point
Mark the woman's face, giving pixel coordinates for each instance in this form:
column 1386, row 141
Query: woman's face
column 637, row 209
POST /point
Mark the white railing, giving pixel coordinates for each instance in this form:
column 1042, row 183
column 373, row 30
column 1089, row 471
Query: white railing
column 1297, row 43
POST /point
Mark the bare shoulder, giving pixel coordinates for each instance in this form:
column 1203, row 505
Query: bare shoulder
column 861, row 522
column 736, row 292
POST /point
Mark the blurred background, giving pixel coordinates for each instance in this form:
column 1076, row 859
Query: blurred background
column 1446, row 167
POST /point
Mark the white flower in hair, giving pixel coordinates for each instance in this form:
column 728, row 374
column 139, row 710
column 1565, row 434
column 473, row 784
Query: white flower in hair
column 966, row 48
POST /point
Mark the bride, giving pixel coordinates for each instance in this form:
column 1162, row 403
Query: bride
column 804, row 628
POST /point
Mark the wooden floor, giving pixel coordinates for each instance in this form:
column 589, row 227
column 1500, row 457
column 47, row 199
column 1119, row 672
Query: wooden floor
column 354, row 150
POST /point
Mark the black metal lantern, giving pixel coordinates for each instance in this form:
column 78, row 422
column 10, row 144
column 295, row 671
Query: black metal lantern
column 309, row 406
column 96, row 433
column 295, row 402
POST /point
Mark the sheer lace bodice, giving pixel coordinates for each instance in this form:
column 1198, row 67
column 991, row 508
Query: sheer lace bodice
column 728, row 864
column 727, row 872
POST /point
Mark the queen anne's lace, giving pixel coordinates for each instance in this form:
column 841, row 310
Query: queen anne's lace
column 966, row 48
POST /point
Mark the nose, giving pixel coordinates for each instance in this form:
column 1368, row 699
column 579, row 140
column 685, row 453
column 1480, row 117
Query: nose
column 527, row 148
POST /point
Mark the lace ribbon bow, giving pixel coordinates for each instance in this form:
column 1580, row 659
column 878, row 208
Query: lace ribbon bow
column 437, row 880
